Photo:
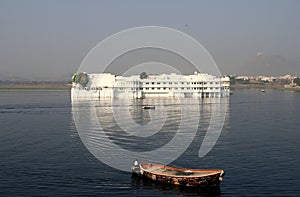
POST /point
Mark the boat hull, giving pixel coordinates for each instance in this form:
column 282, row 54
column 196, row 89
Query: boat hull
column 148, row 107
column 181, row 176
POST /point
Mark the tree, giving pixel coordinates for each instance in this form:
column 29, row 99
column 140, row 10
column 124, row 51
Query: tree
column 232, row 80
column 143, row 75
column 297, row 81
column 81, row 78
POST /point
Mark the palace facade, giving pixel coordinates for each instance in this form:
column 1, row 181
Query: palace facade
column 107, row 85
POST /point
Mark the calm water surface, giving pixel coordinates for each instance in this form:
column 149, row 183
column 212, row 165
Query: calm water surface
column 41, row 152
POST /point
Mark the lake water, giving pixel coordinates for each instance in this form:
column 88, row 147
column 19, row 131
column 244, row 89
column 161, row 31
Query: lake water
column 41, row 152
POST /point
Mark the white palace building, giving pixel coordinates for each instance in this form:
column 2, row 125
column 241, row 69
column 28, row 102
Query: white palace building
column 107, row 85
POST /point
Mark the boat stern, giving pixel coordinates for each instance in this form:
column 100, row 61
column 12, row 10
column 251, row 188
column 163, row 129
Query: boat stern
column 135, row 169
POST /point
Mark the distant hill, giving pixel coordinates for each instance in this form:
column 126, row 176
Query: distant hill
column 9, row 79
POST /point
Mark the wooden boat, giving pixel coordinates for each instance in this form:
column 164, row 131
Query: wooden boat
column 178, row 176
column 148, row 107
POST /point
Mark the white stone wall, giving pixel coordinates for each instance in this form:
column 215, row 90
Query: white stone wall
column 106, row 85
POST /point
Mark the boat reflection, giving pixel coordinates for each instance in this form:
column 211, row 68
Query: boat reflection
column 138, row 182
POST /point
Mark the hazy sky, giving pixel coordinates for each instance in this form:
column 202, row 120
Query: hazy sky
column 47, row 40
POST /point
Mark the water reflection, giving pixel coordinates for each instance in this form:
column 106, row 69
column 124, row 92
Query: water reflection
column 140, row 183
column 119, row 131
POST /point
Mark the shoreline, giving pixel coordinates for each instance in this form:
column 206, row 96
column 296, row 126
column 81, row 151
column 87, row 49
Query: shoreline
column 263, row 86
column 69, row 86
column 35, row 86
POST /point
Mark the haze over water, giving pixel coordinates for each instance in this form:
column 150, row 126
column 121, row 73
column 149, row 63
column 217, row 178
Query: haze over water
column 47, row 40
column 41, row 152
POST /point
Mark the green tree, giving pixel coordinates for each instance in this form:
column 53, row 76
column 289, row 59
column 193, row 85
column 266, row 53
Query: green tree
column 81, row 78
column 297, row 81
column 143, row 75
column 232, row 80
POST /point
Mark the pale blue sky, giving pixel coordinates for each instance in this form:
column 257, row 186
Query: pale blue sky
column 47, row 40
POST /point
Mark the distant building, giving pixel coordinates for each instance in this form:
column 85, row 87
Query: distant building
column 106, row 85
column 287, row 77
column 245, row 78
column 292, row 84
column 268, row 79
